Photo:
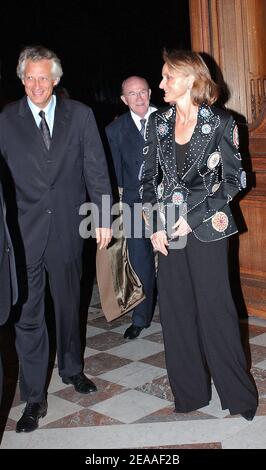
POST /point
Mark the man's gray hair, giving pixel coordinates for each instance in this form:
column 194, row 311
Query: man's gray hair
column 36, row 53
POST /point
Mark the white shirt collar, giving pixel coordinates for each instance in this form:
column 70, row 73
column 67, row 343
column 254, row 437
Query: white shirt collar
column 137, row 118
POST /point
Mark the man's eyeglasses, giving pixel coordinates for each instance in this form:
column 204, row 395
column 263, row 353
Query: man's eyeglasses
column 134, row 94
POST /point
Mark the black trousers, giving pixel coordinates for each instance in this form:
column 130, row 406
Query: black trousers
column 201, row 329
column 142, row 259
column 32, row 341
column 1, row 378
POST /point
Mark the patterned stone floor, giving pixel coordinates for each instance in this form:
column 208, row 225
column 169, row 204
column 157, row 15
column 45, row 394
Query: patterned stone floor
column 133, row 407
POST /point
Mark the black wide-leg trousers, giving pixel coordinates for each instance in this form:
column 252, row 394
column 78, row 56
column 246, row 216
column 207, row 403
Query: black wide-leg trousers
column 201, row 328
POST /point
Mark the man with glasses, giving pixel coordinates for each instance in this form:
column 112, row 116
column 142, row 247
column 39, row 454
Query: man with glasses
column 126, row 137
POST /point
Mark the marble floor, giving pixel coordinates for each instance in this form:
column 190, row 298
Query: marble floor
column 133, row 407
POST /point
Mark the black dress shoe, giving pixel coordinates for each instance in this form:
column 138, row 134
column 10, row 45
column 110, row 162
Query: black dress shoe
column 29, row 421
column 132, row 331
column 81, row 383
column 249, row 414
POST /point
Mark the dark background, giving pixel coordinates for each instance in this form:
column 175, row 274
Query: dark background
column 99, row 42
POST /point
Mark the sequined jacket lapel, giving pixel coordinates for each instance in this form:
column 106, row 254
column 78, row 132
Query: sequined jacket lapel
column 204, row 131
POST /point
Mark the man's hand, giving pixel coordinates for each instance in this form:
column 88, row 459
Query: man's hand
column 182, row 228
column 159, row 242
column 103, row 236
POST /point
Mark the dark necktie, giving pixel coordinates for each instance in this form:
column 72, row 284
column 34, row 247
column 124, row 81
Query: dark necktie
column 45, row 130
column 142, row 129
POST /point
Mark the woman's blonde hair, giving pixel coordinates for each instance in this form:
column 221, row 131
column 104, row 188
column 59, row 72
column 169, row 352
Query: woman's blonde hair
column 204, row 89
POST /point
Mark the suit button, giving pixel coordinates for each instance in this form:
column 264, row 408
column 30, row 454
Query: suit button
column 7, row 249
column 48, row 211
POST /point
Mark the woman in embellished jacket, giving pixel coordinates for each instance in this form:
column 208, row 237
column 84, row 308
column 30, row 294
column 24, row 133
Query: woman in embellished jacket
column 192, row 171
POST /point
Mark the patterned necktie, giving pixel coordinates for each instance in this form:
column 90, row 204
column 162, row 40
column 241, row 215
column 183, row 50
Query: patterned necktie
column 142, row 129
column 45, row 130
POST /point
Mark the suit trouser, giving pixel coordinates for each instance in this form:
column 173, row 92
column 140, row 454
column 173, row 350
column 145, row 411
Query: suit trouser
column 142, row 259
column 201, row 329
column 1, row 378
column 32, row 341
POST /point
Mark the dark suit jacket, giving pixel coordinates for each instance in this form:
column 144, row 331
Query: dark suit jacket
column 126, row 144
column 54, row 181
column 8, row 280
column 211, row 176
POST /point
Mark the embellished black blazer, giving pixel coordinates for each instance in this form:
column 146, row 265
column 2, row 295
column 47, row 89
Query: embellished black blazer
column 202, row 189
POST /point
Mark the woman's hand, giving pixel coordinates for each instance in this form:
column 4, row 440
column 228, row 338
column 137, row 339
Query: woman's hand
column 159, row 242
column 182, row 228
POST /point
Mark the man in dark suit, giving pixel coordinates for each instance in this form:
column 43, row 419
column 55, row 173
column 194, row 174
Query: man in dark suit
column 54, row 154
column 126, row 139
column 8, row 278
